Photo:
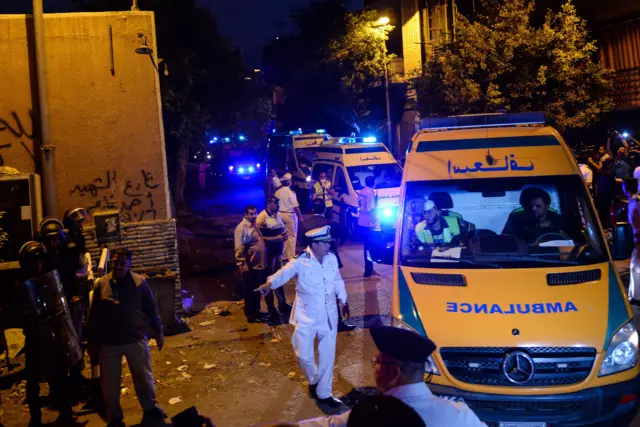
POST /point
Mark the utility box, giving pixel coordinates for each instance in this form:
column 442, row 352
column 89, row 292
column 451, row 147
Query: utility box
column 20, row 214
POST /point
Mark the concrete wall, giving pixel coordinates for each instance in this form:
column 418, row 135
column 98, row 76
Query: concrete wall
column 104, row 113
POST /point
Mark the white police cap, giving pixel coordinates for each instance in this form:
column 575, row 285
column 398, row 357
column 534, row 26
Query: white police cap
column 322, row 234
column 286, row 177
column 428, row 205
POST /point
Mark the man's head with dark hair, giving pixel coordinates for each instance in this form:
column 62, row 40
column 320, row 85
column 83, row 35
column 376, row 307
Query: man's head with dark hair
column 319, row 207
column 121, row 262
column 369, row 181
column 630, row 186
column 383, row 411
column 538, row 202
column 251, row 213
column 272, row 204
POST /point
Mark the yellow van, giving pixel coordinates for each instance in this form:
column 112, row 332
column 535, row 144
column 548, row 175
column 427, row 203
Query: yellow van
column 501, row 260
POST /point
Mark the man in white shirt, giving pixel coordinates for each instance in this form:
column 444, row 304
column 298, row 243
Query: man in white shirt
column 290, row 213
column 315, row 311
column 587, row 174
column 271, row 227
column 367, row 220
column 399, row 371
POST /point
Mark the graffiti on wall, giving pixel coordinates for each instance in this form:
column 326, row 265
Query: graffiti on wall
column 14, row 126
column 136, row 201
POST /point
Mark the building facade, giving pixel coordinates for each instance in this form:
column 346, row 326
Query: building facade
column 105, row 123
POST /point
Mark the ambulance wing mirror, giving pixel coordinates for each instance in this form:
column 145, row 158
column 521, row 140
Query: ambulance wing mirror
column 622, row 245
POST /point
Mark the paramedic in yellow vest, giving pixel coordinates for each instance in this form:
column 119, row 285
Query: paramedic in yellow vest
column 436, row 229
column 323, row 190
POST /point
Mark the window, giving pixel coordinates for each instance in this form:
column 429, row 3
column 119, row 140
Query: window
column 500, row 223
column 305, row 158
column 387, row 175
column 340, row 183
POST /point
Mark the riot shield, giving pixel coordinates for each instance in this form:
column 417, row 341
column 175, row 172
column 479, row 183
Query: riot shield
column 51, row 311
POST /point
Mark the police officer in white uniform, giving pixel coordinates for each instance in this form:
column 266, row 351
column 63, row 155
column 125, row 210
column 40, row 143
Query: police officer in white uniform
column 315, row 314
column 290, row 213
column 399, row 372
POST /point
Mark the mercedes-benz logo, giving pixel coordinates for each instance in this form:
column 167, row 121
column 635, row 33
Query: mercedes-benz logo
column 518, row 367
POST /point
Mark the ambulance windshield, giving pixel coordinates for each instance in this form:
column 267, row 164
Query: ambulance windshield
column 387, row 175
column 500, row 223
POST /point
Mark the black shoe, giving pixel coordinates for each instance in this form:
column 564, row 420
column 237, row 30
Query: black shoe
column 155, row 414
column 313, row 391
column 331, row 402
column 634, row 302
column 343, row 327
column 257, row 320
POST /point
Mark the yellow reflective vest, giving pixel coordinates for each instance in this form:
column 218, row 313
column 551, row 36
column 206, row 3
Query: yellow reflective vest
column 423, row 233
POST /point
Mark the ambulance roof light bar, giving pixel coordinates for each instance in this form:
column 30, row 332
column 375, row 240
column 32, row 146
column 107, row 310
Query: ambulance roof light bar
column 483, row 121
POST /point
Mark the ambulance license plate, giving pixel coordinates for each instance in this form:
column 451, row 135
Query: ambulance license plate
column 527, row 424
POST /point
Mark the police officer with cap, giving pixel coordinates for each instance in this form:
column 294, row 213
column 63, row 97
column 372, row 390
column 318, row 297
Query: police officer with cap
column 42, row 360
column 399, row 368
column 315, row 313
column 289, row 210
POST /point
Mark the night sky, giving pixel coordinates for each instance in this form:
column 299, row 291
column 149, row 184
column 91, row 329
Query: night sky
column 249, row 23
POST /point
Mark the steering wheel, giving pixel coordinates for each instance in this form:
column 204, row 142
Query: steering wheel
column 553, row 235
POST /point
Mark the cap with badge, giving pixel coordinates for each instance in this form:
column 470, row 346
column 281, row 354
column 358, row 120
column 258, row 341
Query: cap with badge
column 322, row 234
column 402, row 344
column 428, row 205
column 286, row 177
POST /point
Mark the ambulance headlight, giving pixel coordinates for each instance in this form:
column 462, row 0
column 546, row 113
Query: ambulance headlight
column 622, row 353
column 430, row 366
column 308, row 179
column 388, row 214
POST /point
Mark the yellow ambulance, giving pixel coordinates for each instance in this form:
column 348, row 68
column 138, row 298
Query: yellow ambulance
column 501, row 260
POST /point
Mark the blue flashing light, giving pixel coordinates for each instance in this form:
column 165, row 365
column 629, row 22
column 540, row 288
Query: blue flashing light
column 240, row 170
column 273, row 131
column 258, row 165
column 386, row 212
column 251, row 169
column 227, row 140
column 242, row 138
column 625, row 134
column 321, row 131
column 231, row 168
column 369, row 139
column 483, row 121
column 295, row 132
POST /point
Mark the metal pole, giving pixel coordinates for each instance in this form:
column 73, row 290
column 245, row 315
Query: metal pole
column 386, row 91
column 47, row 151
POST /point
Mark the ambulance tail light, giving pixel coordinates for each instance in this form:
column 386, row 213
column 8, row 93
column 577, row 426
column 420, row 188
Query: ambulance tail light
column 622, row 352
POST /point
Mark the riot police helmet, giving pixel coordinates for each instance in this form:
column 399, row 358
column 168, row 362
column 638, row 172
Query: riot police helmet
column 50, row 227
column 29, row 255
column 72, row 217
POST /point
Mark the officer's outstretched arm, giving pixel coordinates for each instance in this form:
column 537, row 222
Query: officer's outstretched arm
column 283, row 275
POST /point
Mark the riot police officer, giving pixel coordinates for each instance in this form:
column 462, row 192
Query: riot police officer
column 44, row 356
column 68, row 258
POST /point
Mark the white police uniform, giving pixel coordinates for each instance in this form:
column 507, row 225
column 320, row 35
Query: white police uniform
column 314, row 311
column 288, row 205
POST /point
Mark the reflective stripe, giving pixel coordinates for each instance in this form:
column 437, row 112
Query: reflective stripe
column 452, row 230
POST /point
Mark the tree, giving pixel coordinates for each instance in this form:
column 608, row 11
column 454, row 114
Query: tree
column 361, row 57
column 501, row 61
column 205, row 75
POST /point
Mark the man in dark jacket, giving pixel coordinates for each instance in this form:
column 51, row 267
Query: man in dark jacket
column 123, row 304
column 319, row 220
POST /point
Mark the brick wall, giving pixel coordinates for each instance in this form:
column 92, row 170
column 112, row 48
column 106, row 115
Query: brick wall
column 154, row 245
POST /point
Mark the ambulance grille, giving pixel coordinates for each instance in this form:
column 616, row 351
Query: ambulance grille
column 554, row 366
column 575, row 278
column 439, row 279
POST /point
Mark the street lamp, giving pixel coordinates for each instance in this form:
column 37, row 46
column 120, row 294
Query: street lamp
column 381, row 24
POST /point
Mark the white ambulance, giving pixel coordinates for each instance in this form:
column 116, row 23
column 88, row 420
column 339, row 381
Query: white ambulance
column 347, row 162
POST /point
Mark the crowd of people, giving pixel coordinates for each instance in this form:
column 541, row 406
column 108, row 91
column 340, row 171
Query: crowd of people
column 66, row 310
column 605, row 169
